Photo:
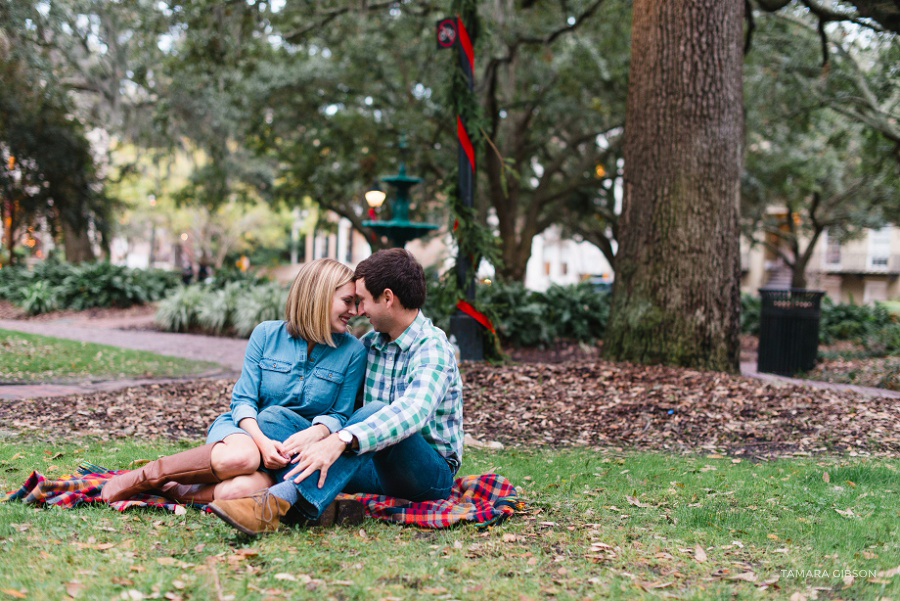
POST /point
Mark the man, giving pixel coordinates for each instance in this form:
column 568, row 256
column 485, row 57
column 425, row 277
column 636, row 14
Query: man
column 405, row 442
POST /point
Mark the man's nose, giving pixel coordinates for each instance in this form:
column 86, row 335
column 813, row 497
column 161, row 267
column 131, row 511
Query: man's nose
column 361, row 310
column 352, row 310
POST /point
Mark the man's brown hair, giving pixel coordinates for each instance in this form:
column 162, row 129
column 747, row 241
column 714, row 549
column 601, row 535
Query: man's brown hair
column 397, row 269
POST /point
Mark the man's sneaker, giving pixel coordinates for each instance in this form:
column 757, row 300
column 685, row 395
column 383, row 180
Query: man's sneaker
column 257, row 514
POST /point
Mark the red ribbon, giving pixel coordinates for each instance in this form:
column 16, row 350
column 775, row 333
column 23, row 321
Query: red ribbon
column 476, row 315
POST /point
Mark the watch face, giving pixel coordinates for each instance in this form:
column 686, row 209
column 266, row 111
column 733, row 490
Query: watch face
column 345, row 437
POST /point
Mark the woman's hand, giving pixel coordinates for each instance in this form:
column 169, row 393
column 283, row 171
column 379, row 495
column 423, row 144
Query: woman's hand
column 272, row 452
column 299, row 441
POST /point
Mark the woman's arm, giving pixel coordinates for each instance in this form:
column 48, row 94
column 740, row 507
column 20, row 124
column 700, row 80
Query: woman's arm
column 272, row 451
column 245, row 396
column 245, row 401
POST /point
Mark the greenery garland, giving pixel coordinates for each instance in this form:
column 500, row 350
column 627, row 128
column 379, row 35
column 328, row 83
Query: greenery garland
column 474, row 239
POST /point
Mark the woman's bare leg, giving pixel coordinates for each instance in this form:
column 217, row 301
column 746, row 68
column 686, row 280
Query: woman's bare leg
column 237, row 455
column 242, row 486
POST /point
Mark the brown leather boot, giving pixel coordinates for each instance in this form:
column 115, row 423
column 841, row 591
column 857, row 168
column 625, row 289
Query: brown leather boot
column 201, row 494
column 193, row 466
column 259, row 513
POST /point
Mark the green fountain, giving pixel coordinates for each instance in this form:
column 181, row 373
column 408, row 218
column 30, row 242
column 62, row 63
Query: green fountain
column 399, row 229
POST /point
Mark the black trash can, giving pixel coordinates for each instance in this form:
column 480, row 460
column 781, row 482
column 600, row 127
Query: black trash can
column 788, row 330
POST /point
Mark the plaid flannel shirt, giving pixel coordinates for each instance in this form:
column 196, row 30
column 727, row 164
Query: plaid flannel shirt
column 417, row 376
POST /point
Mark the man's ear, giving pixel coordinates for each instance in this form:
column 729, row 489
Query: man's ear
column 389, row 297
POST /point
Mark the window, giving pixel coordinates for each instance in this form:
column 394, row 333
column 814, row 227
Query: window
column 546, row 267
column 832, row 250
column 879, row 247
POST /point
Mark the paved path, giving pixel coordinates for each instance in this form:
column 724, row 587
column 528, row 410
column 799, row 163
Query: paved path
column 748, row 369
column 228, row 352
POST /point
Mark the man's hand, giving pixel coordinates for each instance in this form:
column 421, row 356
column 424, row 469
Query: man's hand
column 319, row 456
column 298, row 442
column 273, row 455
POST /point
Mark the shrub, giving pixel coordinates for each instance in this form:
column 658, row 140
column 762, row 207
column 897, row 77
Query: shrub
column 525, row 318
column 750, row 307
column 38, row 297
column 883, row 341
column 178, row 312
column 850, row 322
column 217, row 311
column 258, row 304
column 84, row 286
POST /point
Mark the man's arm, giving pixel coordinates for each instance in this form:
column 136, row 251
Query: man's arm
column 430, row 377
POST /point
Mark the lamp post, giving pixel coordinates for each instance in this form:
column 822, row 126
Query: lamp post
column 398, row 229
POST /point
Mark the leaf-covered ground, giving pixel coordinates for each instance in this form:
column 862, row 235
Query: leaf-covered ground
column 592, row 403
column 874, row 372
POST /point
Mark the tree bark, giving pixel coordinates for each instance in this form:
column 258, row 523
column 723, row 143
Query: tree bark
column 77, row 243
column 677, row 294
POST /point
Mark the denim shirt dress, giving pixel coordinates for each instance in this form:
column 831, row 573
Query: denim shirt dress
column 320, row 387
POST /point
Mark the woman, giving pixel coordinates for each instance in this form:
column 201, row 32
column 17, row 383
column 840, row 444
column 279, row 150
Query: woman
column 309, row 363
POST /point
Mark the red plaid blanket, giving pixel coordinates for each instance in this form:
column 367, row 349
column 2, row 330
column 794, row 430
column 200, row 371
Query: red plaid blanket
column 484, row 500
column 83, row 486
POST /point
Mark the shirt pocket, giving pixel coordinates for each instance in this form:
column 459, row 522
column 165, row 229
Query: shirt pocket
column 323, row 388
column 275, row 378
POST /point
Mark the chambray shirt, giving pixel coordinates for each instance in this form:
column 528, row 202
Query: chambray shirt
column 417, row 376
column 321, row 387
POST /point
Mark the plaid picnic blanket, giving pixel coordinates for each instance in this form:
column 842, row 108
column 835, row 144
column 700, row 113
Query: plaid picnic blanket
column 484, row 500
column 83, row 486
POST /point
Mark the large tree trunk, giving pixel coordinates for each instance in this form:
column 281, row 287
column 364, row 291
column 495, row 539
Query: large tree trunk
column 677, row 298
column 77, row 243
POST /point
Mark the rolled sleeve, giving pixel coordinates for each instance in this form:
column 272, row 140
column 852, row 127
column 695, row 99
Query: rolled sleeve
column 245, row 396
column 329, row 421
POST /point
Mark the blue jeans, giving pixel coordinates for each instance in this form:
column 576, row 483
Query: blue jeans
column 410, row 469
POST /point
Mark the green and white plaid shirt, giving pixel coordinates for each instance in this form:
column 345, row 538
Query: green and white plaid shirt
column 417, row 376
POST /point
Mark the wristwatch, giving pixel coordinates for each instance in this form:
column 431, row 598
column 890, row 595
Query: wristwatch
column 346, row 437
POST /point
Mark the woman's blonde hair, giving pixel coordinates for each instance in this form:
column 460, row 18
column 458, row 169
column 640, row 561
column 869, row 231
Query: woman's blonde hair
column 308, row 308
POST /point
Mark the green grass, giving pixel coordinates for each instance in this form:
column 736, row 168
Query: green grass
column 30, row 358
column 582, row 538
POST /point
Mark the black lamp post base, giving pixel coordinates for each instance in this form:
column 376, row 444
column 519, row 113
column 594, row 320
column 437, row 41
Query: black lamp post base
column 468, row 334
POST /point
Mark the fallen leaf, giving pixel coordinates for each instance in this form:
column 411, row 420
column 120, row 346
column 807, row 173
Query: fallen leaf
column 74, row 588
column 826, row 477
column 845, row 512
column 748, row 576
column 634, row 501
column 889, row 573
column 285, row 576
column 654, row 585
column 9, row 591
column 797, row 597
column 699, row 554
